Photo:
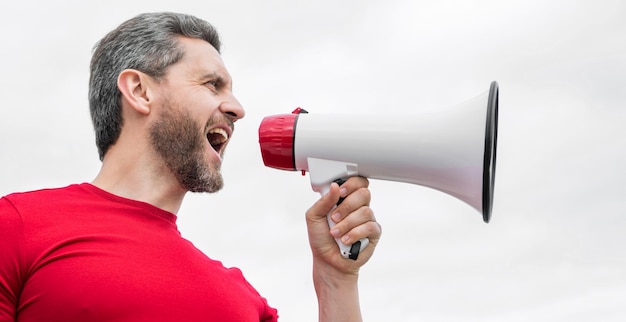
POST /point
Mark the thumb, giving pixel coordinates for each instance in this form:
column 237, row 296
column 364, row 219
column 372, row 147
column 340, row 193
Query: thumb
column 324, row 205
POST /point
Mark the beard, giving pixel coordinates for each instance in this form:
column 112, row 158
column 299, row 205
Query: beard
column 181, row 144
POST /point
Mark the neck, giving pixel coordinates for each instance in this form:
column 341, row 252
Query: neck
column 135, row 175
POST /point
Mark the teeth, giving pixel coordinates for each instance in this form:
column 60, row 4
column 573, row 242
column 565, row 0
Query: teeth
column 217, row 136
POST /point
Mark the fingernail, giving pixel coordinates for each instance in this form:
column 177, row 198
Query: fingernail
column 345, row 239
column 335, row 232
column 343, row 192
column 336, row 216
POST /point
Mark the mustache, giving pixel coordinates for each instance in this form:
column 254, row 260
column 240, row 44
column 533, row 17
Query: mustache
column 220, row 119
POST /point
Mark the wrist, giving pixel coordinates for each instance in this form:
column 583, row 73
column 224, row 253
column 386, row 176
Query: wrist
column 337, row 293
column 328, row 276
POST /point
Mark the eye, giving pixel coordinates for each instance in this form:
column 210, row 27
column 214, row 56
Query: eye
column 212, row 84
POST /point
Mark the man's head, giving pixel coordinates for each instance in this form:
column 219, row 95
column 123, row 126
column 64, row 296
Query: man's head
column 147, row 43
column 161, row 74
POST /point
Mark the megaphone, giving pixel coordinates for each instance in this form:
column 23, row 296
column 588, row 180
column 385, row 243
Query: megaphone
column 451, row 150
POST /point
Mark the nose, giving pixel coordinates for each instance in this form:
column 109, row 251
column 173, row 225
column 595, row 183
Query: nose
column 232, row 108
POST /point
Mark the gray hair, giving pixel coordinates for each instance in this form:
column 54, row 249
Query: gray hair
column 147, row 43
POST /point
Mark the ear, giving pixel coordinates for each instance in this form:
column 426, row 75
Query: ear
column 135, row 87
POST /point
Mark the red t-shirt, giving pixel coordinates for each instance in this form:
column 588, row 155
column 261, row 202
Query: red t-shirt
column 82, row 254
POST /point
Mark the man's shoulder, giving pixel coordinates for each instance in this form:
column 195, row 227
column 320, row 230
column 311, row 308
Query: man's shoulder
column 44, row 196
column 44, row 192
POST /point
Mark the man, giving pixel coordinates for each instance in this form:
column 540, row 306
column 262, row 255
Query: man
column 163, row 112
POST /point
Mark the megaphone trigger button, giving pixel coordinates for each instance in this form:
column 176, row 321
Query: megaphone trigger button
column 340, row 181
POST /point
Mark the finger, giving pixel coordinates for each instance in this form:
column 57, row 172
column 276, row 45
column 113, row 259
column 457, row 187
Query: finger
column 370, row 229
column 356, row 218
column 324, row 205
column 352, row 184
column 352, row 202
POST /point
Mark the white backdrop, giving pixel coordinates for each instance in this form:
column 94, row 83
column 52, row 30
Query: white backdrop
column 554, row 250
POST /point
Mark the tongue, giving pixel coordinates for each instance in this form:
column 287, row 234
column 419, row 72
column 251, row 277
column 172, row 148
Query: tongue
column 215, row 140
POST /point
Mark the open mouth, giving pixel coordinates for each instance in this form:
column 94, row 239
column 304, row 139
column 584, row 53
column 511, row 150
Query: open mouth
column 217, row 139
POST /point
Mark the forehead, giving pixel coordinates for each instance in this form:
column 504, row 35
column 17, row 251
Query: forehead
column 200, row 58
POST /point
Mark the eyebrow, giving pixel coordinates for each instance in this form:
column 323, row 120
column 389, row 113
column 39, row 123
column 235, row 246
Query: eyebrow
column 214, row 75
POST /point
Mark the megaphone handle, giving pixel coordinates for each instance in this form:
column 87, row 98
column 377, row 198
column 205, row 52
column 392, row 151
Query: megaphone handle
column 352, row 251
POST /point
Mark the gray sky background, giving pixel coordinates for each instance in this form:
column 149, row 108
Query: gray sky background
column 555, row 249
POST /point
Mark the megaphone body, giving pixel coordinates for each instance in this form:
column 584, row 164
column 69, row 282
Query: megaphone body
column 452, row 150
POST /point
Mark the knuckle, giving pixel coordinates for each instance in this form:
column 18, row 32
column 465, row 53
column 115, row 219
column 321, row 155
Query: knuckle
column 374, row 229
column 369, row 213
column 358, row 182
column 366, row 182
column 366, row 194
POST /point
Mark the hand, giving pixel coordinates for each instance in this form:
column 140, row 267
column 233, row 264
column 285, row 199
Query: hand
column 354, row 221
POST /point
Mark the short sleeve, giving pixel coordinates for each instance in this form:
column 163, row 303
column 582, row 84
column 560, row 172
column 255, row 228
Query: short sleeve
column 11, row 258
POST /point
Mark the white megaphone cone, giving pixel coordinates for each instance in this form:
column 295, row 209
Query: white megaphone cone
column 452, row 150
